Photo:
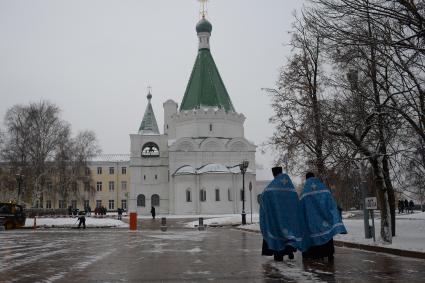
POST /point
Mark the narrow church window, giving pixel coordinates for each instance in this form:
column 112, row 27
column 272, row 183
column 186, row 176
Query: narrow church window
column 210, row 127
column 203, row 195
column 155, row 200
column 156, row 177
column 167, row 126
column 188, row 196
column 217, row 194
column 144, row 177
column 229, row 194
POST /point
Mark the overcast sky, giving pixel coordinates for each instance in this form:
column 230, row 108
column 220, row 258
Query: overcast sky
column 95, row 59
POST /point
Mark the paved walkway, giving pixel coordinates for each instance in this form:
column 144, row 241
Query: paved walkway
column 180, row 255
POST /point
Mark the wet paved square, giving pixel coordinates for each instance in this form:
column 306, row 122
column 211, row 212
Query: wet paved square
column 179, row 255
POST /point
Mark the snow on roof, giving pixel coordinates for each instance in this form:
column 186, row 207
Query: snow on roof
column 111, row 158
column 212, row 168
column 236, row 170
column 185, row 170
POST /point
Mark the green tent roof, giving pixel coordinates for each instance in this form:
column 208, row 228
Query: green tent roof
column 205, row 87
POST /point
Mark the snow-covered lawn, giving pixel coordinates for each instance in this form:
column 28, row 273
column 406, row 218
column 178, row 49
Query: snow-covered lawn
column 410, row 229
column 68, row 222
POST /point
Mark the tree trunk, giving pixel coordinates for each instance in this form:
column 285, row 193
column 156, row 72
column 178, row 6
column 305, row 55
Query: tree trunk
column 391, row 195
column 382, row 194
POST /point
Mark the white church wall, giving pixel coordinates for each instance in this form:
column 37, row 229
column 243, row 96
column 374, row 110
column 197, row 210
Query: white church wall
column 208, row 123
column 211, row 183
column 181, row 185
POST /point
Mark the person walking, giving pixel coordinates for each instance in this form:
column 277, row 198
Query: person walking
column 280, row 220
column 119, row 210
column 153, row 212
column 406, row 205
column 411, row 206
column 322, row 219
column 400, row 206
column 81, row 219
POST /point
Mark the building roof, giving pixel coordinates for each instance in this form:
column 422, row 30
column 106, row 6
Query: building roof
column 205, row 87
column 149, row 125
column 211, row 168
column 111, row 158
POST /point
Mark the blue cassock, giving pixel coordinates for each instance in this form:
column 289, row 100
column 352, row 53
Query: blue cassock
column 320, row 214
column 280, row 215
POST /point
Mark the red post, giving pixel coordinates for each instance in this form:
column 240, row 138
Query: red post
column 133, row 221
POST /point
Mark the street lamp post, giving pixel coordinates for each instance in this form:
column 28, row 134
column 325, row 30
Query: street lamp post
column 250, row 197
column 19, row 180
column 243, row 166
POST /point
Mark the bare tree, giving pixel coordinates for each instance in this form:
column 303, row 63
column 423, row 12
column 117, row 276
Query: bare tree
column 298, row 101
column 39, row 145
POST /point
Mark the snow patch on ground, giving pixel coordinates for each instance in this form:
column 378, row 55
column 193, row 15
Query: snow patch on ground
column 189, row 272
column 292, row 273
column 183, row 236
column 55, row 277
column 73, row 222
column 90, row 260
column 224, row 220
column 195, row 250
column 410, row 229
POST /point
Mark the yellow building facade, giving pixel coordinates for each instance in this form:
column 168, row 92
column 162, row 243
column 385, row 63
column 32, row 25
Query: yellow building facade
column 110, row 181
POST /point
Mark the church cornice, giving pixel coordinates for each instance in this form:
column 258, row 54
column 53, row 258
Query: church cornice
column 208, row 113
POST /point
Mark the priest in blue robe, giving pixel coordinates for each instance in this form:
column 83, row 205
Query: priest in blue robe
column 322, row 219
column 280, row 217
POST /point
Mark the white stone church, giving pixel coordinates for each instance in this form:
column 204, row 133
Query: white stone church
column 193, row 167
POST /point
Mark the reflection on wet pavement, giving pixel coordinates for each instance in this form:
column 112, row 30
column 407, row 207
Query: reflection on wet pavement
column 217, row 254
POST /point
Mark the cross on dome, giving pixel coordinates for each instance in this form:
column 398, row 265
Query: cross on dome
column 203, row 11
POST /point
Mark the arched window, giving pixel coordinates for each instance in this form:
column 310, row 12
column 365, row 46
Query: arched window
column 141, row 200
column 188, row 195
column 150, row 149
column 155, row 200
column 217, row 194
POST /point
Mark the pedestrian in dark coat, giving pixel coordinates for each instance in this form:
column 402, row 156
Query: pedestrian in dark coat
column 153, row 212
column 411, row 206
column 400, row 206
column 81, row 219
column 406, row 205
column 120, row 213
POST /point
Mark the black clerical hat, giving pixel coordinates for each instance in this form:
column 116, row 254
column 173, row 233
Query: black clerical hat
column 277, row 170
